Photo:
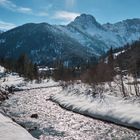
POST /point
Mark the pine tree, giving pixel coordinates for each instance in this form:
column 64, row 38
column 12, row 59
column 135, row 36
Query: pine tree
column 25, row 67
column 21, row 64
column 111, row 58
column 35, row 71
column 111, row 62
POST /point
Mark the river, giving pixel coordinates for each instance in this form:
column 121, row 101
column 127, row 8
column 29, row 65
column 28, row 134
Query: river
column 56, row 123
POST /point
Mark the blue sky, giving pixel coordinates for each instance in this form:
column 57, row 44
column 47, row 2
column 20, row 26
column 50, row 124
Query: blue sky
column 17, row 12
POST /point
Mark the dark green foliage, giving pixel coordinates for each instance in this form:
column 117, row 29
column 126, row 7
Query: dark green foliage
column 74, row 72
column 130, row 59
column 111, row 62
column 66, row 74
column 35, row 71
column 110, row 57
column 22, row 65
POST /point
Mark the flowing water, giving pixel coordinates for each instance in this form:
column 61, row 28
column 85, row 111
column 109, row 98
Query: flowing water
column 56, row 123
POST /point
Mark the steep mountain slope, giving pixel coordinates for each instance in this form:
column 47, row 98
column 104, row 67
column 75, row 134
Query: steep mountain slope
column 79, row 41
column 88, row 25
column 128, row 30
column 99, row 37
column 44, row 43
column 79, row 28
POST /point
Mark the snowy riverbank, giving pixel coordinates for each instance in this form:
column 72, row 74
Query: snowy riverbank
column 56, row 123
column 52, row 121
column 9, row 130
column 105, row 107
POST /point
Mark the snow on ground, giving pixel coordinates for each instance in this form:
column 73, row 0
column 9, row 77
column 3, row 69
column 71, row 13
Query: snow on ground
column 106, row 107
column 118, row 53
column 56, row 123
column 9, row 130
column 43, row 84
column 11, row 79
column 2, row 69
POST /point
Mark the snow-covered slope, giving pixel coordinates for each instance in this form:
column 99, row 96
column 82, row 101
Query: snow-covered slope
column 43, row 43
column 87, row 31
column 9, row 130
column 56, row 123
column 80, row 99
column 128, row 30
column 88, row 25
column 79, row 41
column 2, row 69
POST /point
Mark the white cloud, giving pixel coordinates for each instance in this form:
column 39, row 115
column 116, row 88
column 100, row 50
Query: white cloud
column 65, row 15
column 6, row 25
column 42, row 14
column 70, row 3
column 24, row 10
column 13, row 7
column 8, row 4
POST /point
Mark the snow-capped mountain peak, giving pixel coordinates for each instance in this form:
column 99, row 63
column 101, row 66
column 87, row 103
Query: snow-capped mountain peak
column 83, row 38
column 85, row 21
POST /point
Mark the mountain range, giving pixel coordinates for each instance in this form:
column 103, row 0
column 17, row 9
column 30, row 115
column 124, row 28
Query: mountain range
column 82, row 40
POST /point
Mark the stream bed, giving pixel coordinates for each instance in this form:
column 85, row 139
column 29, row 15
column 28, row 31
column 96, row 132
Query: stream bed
column 56, row 123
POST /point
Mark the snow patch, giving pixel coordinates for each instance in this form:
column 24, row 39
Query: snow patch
column 105, row 107
column 9, row 130
column 2, row 69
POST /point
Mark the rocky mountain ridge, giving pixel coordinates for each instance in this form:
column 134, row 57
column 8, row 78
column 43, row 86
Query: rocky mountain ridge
column 82, row 40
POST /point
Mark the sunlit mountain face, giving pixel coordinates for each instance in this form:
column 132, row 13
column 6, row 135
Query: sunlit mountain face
column 83, row 39
column 69, row 69
column 67, row 30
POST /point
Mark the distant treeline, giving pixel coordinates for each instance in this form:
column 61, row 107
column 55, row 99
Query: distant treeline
column 107, row 66
column 104, row 70
column 130, row 59
column 23, row 66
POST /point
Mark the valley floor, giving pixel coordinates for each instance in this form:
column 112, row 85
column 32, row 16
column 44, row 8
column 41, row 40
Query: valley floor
column 51, row 121
column 57, row 123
